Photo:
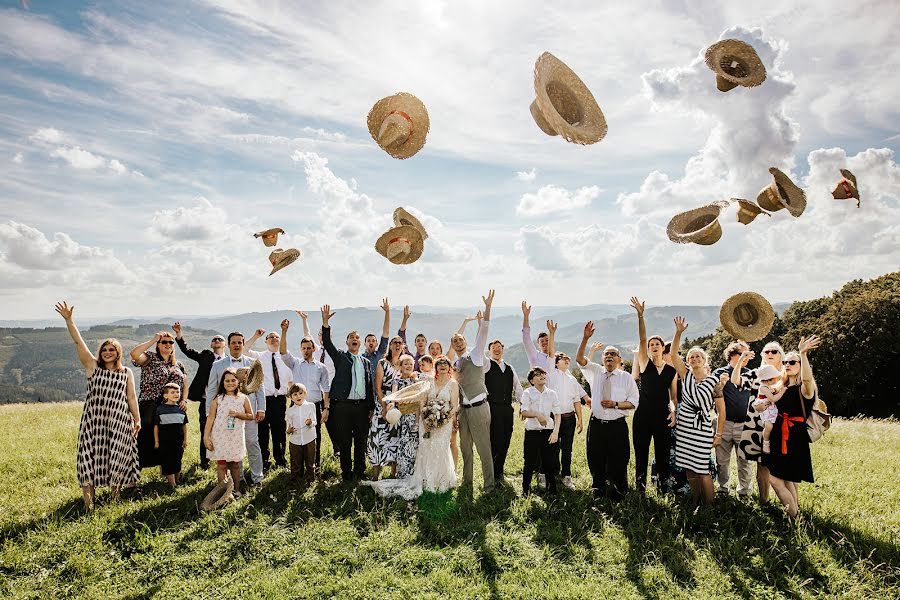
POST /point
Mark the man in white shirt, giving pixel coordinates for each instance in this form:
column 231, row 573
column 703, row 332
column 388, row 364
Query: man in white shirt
column 540, row 407
column 277, row 375
column 614, row 392
column 570, row 393
column 542, row 358
column 503, row 388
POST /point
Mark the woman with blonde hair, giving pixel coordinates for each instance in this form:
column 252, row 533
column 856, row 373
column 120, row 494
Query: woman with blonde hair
column 158, row 367
column 107, row 450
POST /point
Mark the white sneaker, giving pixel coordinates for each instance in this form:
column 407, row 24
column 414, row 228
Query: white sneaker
column 567, row 482
column 542, row 480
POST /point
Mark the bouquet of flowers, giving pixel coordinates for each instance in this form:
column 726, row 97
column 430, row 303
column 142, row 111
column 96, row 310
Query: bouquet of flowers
column 434, row 414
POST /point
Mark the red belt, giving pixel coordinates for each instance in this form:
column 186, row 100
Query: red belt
column 786, row 425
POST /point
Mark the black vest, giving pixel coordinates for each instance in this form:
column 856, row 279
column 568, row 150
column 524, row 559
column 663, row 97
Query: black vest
column 499, row 384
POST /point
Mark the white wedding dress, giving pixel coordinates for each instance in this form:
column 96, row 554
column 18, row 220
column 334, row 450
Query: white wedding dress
column 434, row 470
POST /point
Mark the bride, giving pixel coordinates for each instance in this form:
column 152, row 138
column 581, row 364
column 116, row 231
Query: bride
column 434, row 470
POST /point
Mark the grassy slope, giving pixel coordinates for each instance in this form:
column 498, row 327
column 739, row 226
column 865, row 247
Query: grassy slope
column 338, row 540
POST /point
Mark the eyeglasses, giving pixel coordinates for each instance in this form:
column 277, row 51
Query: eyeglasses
column 610, row 354
column 397, row 343
column 770, row 351
column 790, row 362
column 218, row 339
column 166, row 342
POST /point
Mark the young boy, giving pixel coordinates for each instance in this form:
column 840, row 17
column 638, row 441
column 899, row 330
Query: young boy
column 170, row 433
column 426, row 365
column 301, row 427
column 540, row 407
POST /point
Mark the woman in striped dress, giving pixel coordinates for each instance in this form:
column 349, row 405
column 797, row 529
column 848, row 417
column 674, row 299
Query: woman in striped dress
column 695, row 430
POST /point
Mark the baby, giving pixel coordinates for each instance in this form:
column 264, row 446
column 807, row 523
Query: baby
column 770, row 392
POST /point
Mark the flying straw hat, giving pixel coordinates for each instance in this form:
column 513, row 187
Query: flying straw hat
column 250, row 378
column 399, row 124
column 748, row 211
column 735, row 63
column 846, row 188
column 747, row 316
column 698, row 225
column 407, row 399
column 404, row 217
column 782, row 193
column 219, row 496
column 282, row 258
column 269, row 236
column 563, row 104
column 401, row 245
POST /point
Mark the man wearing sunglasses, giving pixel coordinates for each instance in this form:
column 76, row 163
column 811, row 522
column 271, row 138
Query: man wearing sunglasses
column 197, row 391
column 737, row 403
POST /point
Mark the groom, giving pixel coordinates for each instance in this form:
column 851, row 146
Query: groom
column 475, row 416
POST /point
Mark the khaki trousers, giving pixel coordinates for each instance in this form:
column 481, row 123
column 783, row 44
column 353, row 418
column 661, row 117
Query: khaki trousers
column 475, row 427
column 731, row 439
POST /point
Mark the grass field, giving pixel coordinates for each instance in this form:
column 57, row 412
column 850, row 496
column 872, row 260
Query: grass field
column 339, row 540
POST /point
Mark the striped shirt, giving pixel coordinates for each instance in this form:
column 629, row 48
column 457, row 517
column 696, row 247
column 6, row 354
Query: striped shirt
column 694, row 426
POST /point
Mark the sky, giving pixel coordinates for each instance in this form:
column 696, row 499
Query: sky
column 143, row 143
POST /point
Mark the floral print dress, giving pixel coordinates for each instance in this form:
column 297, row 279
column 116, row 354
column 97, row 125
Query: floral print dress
column 154, row 375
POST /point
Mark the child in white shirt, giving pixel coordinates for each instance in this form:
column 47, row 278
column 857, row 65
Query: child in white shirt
column 300, row 419
column 540, row 407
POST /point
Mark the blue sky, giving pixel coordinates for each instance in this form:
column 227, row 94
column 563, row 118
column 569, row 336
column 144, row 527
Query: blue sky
column 141, row 144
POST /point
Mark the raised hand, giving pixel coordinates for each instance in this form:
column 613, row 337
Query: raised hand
column 597, row 347
column 551, row 327
column 723, row 379
column 406, row 313
column 303, row 315
column 385, row 305
column 176, row 327
column 479, row 316
column 285, row 323
column 680, row 325
column 326, row 314
column 260, row 332
column 638, row 306
column 159, row 335
column 489, row 299
column 588, row 330
column 64, row 310
column 810, row 343
column 526, row 310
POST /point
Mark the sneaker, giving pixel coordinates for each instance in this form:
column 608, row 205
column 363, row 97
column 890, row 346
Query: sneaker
column 766, row 448
column 542, row 480
column 568, row 483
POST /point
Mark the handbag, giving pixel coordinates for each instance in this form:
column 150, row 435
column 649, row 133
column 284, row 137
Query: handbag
column 818, row 421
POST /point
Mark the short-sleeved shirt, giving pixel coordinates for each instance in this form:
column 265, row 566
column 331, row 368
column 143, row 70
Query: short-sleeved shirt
column 546, row 402
column 169, row 415
column 155, row 374
column 622, row 385
column 737, row 400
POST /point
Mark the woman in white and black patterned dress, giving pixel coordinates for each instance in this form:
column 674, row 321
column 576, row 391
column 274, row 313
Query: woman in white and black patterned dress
column 408, row 425
column 381, row 444
column 695, row 431
column 107, row 438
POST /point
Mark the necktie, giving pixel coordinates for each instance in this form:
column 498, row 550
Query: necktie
column 275, row 374
column 606, row 392
column 360, row 376
column 322, row 358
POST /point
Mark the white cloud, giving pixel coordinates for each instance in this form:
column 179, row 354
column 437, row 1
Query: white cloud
column 553, row 198
column 80, row 159
column 527, row 176
column 47, row 135
column 203, row 222
column 19, row 158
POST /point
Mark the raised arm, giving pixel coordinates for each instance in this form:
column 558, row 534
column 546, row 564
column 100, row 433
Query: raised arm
column 528, row 343
column 326, row 333
column 588, row 332
column 139, row 352
column 643, row 359
column 551, row 335
column 736, row 372
column 183, row 345
column 482, row 335
column 402, row 331
column 386, row 324
column 807, row 382
column 677, row 362
column 451, row 353
column 248, row 346
column 88, row 360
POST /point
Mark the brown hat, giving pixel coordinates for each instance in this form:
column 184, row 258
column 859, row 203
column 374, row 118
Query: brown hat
column 846, row 188
column 782, row 193
column 747, row 316
column 219, row 496
column 401, row 245
column 735, row 63
column 404, row 217
column 698, row 225
column 563, row 104
column 250, row 378
column 269, row 236
column 407, row 399
column 399, row 124
column 747, row 211
column 282, row 258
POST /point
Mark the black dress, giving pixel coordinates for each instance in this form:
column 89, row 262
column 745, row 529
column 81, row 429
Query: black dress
column 790, row 459
column 651, row 421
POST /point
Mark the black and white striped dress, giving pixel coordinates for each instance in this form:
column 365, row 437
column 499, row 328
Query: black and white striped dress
column 107, row 450
column 694, row 427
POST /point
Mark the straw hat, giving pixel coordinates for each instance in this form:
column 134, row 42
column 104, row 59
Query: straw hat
column 747, row 211
column 407, row 399
column 269, row 236
column 747, row 316
column 404, row 217
column 563, row 105
column 399, row 124
column 735, row 63
column 698, row 225
column 250, row 378
column 401, row 245
column 846, row 188
column 782, row 193
column 282, row 258
column 219, row 496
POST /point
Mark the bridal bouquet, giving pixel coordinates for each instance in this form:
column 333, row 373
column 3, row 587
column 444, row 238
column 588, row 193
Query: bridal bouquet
column 434, row 414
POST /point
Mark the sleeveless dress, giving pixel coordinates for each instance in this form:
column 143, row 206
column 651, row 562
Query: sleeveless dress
column 107, row 451
column 407, row 436
column 790, row 458
column 381, row 444
column 434, row 469
column 693, row 425
column 228, row 432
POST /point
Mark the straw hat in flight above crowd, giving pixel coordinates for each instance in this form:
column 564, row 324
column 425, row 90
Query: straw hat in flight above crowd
column 269, row 236
column 782, row 193
column 748, row 211
column 403, row 243
column 846, row 188
column 399, row 124
column 282, row 258
column 697, row 226
column 735, row 63
column 563, row 104
column 747, row 316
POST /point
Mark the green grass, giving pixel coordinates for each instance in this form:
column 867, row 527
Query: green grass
column 338, row 540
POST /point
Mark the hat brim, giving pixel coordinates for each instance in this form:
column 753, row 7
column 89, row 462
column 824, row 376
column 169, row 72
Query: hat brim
column 418, row 116
column 551, row 75
column 404, row 217
column 416, row 244
column 782, row 193
column 219, row 496
column 407, row 400
column 288, row 258
column 762, row 325
column 748, row 211
column 682, row 229
column 737, row 50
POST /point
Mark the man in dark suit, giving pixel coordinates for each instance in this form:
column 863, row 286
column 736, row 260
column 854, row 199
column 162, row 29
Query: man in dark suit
column 197, row 391
column 352, row 399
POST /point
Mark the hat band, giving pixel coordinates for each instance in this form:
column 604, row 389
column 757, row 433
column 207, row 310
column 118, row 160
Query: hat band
column 400, row 239
column 408, row 120
column 846, row 185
